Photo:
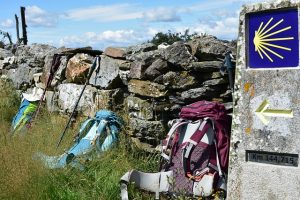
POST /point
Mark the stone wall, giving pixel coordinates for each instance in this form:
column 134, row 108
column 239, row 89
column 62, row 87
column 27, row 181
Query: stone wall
column 148, row 84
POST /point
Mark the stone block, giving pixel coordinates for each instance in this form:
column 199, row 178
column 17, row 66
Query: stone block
column 145, row 57
column 178, row 54
column 22, row 76
column 145, row 146
column 139, row 108
column 33, row 55
column 124, row 76
column 108, row 99
column 157, row 68
column 5, row 53
column 59, row 76
column 68, row 95
column 137, row 70
column 37, row 80
column 202, row 93
column 208, row 47
column 78, row 67
column 218, row 81
column 141, row 48
column 51, row 101
column 211, row 75
column 115, row 52
column 146, row 88
column 8, row 63
column 206, row 66
column 108, row 75
column 143, row 128
column 1, row 64
column 179, row 80
column 124, row 64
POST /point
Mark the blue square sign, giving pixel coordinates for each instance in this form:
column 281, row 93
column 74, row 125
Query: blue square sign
column 273, row 40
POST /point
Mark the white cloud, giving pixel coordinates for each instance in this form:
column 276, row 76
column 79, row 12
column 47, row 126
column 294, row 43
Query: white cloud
column 223, row 29
column 152, row 31
column 116, row 12
column 72, row 41
column 226, row 24
column 119, row 36
column 105, row 38
column 226, row 28
column 8, row 23
column 37, row 17
column 121, row 12
column 217, row 20
column 161, row 15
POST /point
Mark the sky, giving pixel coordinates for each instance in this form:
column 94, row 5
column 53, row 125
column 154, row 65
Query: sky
column 117, row 23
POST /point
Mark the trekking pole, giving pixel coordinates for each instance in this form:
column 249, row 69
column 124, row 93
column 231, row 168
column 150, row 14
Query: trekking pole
column 54, row 67
column 93, row 67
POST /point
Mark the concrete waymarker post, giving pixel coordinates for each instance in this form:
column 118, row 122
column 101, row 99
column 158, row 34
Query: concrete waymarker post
column 265, row 141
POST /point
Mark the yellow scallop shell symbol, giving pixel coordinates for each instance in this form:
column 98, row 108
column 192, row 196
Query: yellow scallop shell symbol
column 263, row 38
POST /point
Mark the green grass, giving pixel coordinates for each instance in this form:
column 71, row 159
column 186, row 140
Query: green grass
column 22, row 177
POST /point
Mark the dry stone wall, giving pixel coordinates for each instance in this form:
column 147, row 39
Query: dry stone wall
column 148, row 84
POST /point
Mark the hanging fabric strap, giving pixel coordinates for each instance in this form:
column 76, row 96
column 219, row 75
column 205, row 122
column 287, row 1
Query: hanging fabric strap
column 216, row 146
column 222, row 183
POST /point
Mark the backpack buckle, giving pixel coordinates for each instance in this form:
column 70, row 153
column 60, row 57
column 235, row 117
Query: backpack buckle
column 200, row 173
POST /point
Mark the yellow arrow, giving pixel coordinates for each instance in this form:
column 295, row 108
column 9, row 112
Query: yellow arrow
column 262, row 112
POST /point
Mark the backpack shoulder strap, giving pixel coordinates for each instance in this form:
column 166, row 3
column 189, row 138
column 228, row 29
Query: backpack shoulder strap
column 83, row 127
column 216, row 146
column 198, row 135
column 111, row 135
column 193, row 141
column 169, row 137
column 101, row 126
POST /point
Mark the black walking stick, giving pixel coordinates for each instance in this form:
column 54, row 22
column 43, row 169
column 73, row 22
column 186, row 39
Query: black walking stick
column 54, row 67
column 93, row 67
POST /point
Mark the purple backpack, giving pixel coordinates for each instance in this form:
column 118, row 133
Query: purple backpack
column 195, row 154
column 221, row 122
column 198, row 145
